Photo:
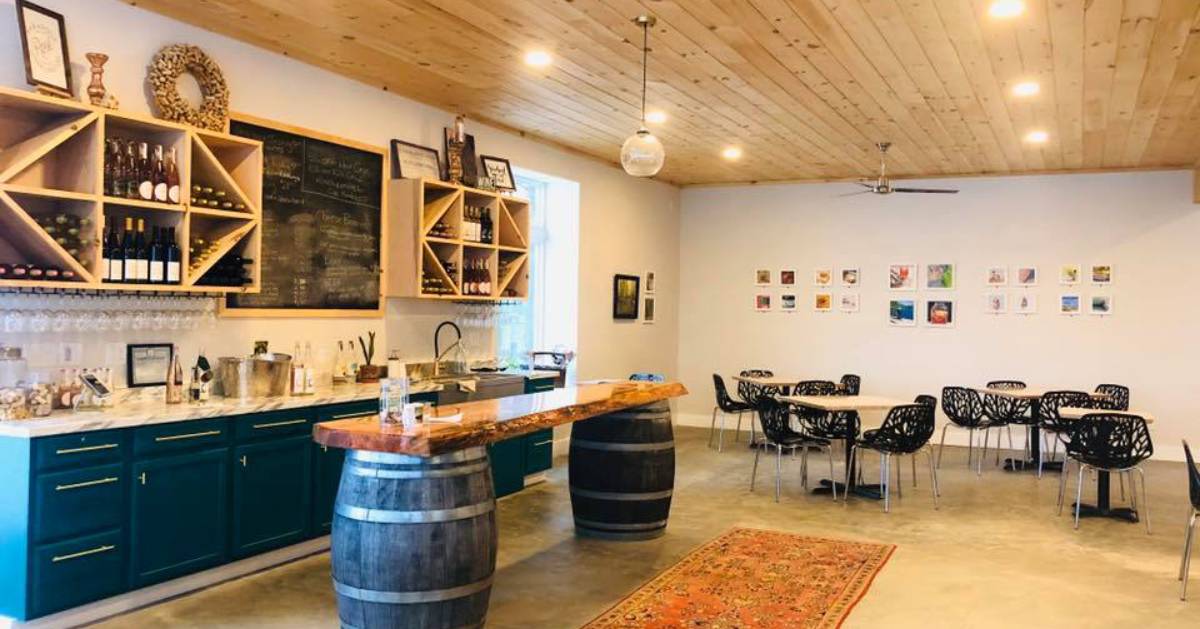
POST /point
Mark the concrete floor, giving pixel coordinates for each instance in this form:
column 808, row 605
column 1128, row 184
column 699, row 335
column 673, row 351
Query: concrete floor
column 994, row 555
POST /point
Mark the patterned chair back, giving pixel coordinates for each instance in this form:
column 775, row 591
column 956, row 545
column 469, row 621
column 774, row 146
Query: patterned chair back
column 963, row 406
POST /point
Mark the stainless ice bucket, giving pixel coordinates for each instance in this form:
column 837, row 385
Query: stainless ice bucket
column 261, row 375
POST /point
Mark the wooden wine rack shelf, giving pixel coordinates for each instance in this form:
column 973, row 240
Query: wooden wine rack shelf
column 416, row 206
column 52, row 154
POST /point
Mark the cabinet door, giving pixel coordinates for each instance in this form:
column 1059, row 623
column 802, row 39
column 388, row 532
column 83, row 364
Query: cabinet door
column 179, row 521
column 272, row 494
column 539, row 451
column 327, row 474
column 508, row 465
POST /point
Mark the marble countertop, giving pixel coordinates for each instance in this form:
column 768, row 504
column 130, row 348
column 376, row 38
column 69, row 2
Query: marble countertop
column 489, row 421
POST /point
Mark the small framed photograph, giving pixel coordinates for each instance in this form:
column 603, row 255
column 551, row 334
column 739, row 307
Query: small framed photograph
column 1068, row 274
column 1100, row 305
column 1069, row 304
column 499, row 171
column 762, row 302
column 787, row 302
column 902, row 277
column 848, row 302
column 902, row 313
column 146, row 364
column 939, row 313
column 995, row 303
column 413, row 161
column 996, row 276
column 787, row 277
column 1102, row 274
column 648, row 283
column 1027, row 276
column 1025, row 304
column 823, row 302
column 851, row 277
column 762, row 277
column 823, row 277
column 44, row 42
column 647, row 310
column 939, row 276
column 626, row 296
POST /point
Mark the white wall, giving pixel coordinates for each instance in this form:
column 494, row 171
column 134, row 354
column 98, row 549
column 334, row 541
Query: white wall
column 1143, row 223
column 626, row 225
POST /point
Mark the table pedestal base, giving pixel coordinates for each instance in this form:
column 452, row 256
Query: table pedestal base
column 1120, row 513
column 1017, row 465
column 874, row 492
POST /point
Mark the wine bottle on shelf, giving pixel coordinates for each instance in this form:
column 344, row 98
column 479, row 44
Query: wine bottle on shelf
column 158, row 175
column 129, row 170
column 112, row 250
column 487, row 226
column 172, row 176
column 105, row 256
column 128, row 254
column 109, row 164
column 145, row 174
column 158, row 267
column 142, row 253
column 172, row 258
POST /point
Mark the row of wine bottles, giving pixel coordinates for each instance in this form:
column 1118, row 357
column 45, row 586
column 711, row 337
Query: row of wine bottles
column 477, row 277
column 132, row 258
column 144, row 176
column 477, row 224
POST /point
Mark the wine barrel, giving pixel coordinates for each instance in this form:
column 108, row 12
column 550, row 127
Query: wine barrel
column 414, row 540
column 622, row 473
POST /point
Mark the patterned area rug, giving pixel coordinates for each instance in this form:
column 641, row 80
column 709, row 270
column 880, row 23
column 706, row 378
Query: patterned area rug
column 754, row 578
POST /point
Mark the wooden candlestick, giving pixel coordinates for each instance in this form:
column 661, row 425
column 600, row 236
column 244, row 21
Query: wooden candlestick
column 96, row 90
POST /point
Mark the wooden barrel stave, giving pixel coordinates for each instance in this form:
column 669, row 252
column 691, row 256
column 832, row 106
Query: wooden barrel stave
column 622, row 473
column 414, row 540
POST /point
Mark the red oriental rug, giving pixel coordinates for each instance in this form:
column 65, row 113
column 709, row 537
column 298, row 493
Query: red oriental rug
column 754, row 578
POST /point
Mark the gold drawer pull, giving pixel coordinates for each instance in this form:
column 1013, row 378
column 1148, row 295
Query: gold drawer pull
column 190, row 435
column 83, row 553
column 103, row 446
column 355, row 414
column 290, row 422
column 542, row 443
column 87, row 483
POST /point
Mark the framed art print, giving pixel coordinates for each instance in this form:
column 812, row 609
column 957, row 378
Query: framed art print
column 762, row 302
column 1069, row 304
column 762, row 277
column 787, row 302
column 848, row 302
column 499, row 171
column 939, row 313
column 996, row 276
column 902, row 277
column 787, row 277
column 1027, row 276
column 1102, row 274
column 1068, row 274
column 1101, row 305
column 823, row 277
column 823, row 302
column 44, row 42
column 939, row 276
column 625, row 296
column 413, row 161
column 1025, row 304
column 995, row 303
column 648, row 309
column 850, row 277
column 902, row 313
column 146, row 364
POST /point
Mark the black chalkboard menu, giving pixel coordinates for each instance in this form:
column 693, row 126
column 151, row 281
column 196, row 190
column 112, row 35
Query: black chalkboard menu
column 322, row 214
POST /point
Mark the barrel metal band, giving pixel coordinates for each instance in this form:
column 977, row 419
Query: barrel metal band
column 409, row 598
column 640, row 526
column 386, row 516
column 375, row 472
column 461, row 456
column 614, row 495
column 588, row 444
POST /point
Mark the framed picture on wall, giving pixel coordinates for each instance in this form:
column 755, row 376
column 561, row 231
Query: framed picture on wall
column 823, row 277
column 1025, row 304
column 413, row 161
column 902, row 313
column 1102, row 274
column 939, row 313
column 823, row 302
column 995, row 303
column 625, row 296
column 1027, row 276
column 1101, row 305
column 787, row 277
column 850, row 277
column 1069, row 304
column 762, row 302
column 1068, row 274
column 648, row 309
column 996, row 276
column 44, row 42
column 902, row 277
column 762, row 277
column 648, row 285
column 939, row 276
column 146, row 364
column 848, row 302
column 499, row 171
column 787, row 302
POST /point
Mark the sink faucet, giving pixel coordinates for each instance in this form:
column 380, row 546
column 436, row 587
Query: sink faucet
column 437, row 353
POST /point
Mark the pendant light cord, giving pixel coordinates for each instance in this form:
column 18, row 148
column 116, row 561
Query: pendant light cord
column 645, row 56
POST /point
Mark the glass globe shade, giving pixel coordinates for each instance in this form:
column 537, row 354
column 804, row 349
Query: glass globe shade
column 642, row 155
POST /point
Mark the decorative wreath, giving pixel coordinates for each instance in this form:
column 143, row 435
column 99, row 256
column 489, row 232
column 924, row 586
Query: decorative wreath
column 168, row 65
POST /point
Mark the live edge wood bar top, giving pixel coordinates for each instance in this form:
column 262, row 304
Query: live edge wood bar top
column 489, row 421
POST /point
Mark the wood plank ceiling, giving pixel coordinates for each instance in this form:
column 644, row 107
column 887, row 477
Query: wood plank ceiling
column 804, row 87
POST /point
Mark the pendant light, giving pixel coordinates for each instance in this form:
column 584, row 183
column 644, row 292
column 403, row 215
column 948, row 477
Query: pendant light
column 642, row 155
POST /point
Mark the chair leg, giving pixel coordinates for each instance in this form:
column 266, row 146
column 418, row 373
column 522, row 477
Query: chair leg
column 1186, row 563
column 982, row 455
column 1062, row 485
column 753, row 432
column 914, row 468
column 778, row 471
column 803, row 466
column 712, row 426
column 1121, row 482
column 721, row 433
column 899, row 482
column 970, row 445
column 754, row 474
column 846, row 475
column 884, row 478
column 1145, row 496
column 1079, row 495
column 942, row 446
column 932, row 476
column 1011, row 449
column 832, row 481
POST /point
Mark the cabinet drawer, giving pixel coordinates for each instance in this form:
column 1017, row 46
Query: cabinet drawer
column 75, row 502
column 275, row 424
column 188, row 435
column 80, row 449
column 539, row 385
column 346, row 411
column 77, row 571
column 539, row 451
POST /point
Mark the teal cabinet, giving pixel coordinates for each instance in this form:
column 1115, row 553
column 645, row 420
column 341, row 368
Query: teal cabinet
column 539, row 451
column 77, row 571
column 508, row 465
column 77, row 502
column 178, row 519
column 327, row 475
column 272, row 493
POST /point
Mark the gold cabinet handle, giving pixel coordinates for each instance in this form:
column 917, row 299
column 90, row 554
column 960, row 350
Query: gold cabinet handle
column 103, row 446
column 345, row 415
column 290, row 422
column 87, row 483
column 190, row 435
column 83, row 553
column 542, row 443
column 243, row 460
column 142, row 477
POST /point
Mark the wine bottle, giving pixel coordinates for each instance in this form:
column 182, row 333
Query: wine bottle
column 128, row 254
column 129, row 168
column 158, row 268
column 106, row 255
column 172, row 178
column 145, row 174
column 112, row 249
column 109, row 165
column 158, row 175
column 141, row 253
column 172, row 257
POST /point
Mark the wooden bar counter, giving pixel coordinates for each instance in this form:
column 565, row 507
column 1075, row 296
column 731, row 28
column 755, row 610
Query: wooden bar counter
column 414, row 529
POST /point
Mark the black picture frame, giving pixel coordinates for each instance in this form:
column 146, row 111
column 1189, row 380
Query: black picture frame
column 144, row 359
column 66, row 89
column 626, row 306
column 510, row 182
column 409, row 147
column 470, row 162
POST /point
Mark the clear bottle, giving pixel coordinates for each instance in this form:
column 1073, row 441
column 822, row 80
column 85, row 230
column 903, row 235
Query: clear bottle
column 297, row 371
column 310, row 376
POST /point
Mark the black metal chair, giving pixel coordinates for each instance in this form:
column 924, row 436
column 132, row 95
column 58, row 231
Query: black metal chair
column 749, row 393
column 1115, row 397
column 964, row 408
column 1002, row 412
column 1111, row 442
column 850, row 384
column 1055, row 426
column 927, row 400
column 726, row 405
column 839, row 426
column 906, row 430
column 1185, row 564
column 775, row 417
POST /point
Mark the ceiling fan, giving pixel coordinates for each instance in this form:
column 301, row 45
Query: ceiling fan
column 883, row 185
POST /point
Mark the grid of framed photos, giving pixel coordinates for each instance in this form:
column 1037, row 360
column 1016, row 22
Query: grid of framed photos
column 1009, row 293
column 833, row 290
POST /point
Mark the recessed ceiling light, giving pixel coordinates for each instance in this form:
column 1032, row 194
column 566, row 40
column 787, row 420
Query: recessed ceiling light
column 1005, row 9
column 1026, row 88
column 1037, row 137
column 656, row 117
column 731, row 153
column 537, row 58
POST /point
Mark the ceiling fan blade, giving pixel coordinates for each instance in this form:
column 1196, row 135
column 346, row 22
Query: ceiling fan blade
column 866, row 183
column 854, row 194
column 926, row 190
